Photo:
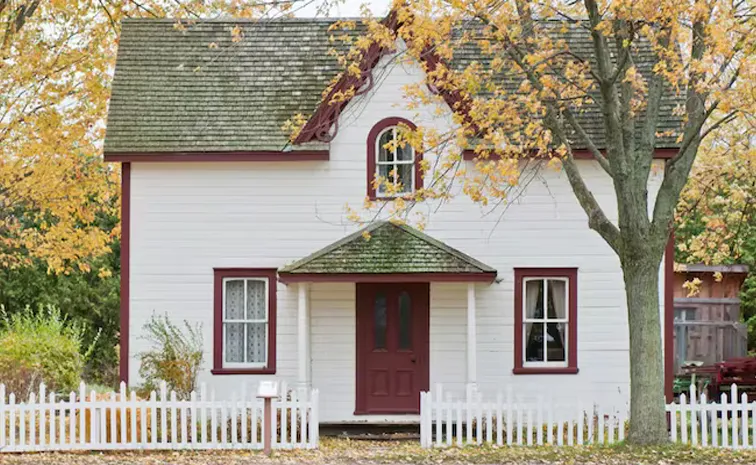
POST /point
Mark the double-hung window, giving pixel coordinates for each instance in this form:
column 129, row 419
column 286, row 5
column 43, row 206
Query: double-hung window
column 245, row 321
column 545, row 320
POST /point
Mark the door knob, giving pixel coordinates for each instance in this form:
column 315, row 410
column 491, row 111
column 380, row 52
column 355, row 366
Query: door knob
column 413, row 359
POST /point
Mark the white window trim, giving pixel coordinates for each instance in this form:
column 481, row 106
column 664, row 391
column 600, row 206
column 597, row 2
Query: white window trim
column 546, row 319
column 266, row 321
column 394, row 164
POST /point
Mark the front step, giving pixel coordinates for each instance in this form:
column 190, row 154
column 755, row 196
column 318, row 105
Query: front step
column 368, row 432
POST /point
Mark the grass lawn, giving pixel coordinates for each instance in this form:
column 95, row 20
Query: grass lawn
column 343, row 451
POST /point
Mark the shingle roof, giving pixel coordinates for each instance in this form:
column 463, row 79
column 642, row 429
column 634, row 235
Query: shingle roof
column 175, row 91
column 389, row 248
column 578, row 39
column 196, row 90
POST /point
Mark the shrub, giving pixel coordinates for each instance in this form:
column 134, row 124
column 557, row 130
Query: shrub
column 90, row 298
column 175, row 356
column 40, row 346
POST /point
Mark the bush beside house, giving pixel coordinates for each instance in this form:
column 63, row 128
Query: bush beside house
column 41, row 346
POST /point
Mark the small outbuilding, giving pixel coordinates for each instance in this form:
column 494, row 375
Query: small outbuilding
column 708, row 327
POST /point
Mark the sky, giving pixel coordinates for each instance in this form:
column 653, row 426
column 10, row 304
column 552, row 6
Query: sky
column 349, row 8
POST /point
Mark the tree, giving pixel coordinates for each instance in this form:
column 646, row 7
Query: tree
column 59, row 202
column 716, row 216
column 526, row 97
column 56, row 63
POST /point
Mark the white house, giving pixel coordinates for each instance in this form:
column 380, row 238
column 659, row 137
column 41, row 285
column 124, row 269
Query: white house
column 227, row 224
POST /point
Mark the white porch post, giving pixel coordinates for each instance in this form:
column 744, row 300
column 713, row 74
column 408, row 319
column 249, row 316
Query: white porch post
column 472, row 374
column 303, row 336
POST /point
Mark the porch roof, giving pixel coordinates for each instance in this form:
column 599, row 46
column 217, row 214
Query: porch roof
column 385, row 251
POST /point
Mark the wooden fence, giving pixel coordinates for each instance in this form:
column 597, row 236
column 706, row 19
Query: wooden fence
column 449, row 421
column 123, row 421
column 708, row 342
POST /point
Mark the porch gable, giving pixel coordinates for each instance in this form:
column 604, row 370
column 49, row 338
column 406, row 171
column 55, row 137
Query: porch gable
column 387, row 248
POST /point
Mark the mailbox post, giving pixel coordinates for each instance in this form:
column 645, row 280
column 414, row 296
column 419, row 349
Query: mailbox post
column 267, row 390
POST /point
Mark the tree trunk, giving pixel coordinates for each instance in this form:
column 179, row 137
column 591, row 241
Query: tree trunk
column 648, row 423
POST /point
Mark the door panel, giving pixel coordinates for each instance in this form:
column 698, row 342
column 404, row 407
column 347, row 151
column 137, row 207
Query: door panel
column 392, row 347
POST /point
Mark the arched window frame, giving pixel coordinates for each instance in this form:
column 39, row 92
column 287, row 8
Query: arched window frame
column 373, row 150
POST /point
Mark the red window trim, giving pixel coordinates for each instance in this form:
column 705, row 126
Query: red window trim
column 219, row 275
column 569, row 273
column 371, row 140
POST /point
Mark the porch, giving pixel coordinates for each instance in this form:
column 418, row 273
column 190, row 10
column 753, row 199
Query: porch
column 381, row 314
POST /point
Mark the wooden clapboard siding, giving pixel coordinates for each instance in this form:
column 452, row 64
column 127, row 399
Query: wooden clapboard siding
column 188, row 218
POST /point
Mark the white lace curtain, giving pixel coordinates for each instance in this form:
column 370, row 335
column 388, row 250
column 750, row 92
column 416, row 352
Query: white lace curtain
column 245, row 321
column 545, row 317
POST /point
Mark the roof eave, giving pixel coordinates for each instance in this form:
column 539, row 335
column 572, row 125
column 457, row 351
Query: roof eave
column 221, row 156
column 482, row 277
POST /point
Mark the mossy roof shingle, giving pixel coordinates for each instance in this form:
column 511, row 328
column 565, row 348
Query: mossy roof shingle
column 389, row 248
column 196, row 90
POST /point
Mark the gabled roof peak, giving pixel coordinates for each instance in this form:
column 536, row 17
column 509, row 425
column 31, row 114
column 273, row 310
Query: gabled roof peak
column 383, row 248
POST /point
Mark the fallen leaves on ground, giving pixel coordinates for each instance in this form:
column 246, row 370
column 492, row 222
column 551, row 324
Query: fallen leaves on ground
column 346, row 451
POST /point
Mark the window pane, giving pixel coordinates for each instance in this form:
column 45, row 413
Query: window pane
column 405, row 321
column 556, row 336
column 256, row 301
column 234, row 342
column 235, row 299
column 534, row 342
column 557, row 299
column 404, row 177
column 383, row 172
column 534, row 298
column 405, row 153
column 379, row 315
column 256, row 342
column 383, row 153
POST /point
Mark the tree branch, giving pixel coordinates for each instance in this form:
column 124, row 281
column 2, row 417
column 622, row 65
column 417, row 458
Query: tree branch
column 678, row 168
column 597, row 219
column 588, row 141
column 610, row 105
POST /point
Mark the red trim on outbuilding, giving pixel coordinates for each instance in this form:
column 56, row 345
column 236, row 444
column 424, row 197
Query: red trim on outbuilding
column 371, row 155
column 572, row 337
column 123, row 334
column 218, row 275
column 265, row 155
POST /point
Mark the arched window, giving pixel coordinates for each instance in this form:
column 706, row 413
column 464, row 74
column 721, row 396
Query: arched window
column 392, row 160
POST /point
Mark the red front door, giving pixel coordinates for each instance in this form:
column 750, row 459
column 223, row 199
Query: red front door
column 392, row 346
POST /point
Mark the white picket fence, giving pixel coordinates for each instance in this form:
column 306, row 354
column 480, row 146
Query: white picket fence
column 731, row 422
column 122, row 421
column 447, row 421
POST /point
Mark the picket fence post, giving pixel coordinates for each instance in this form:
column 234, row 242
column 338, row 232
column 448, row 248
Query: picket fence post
column 438, row 410
column 423, row 414
column 499, row 413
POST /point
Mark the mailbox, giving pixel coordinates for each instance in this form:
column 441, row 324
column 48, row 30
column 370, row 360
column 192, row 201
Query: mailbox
column 267, row 389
